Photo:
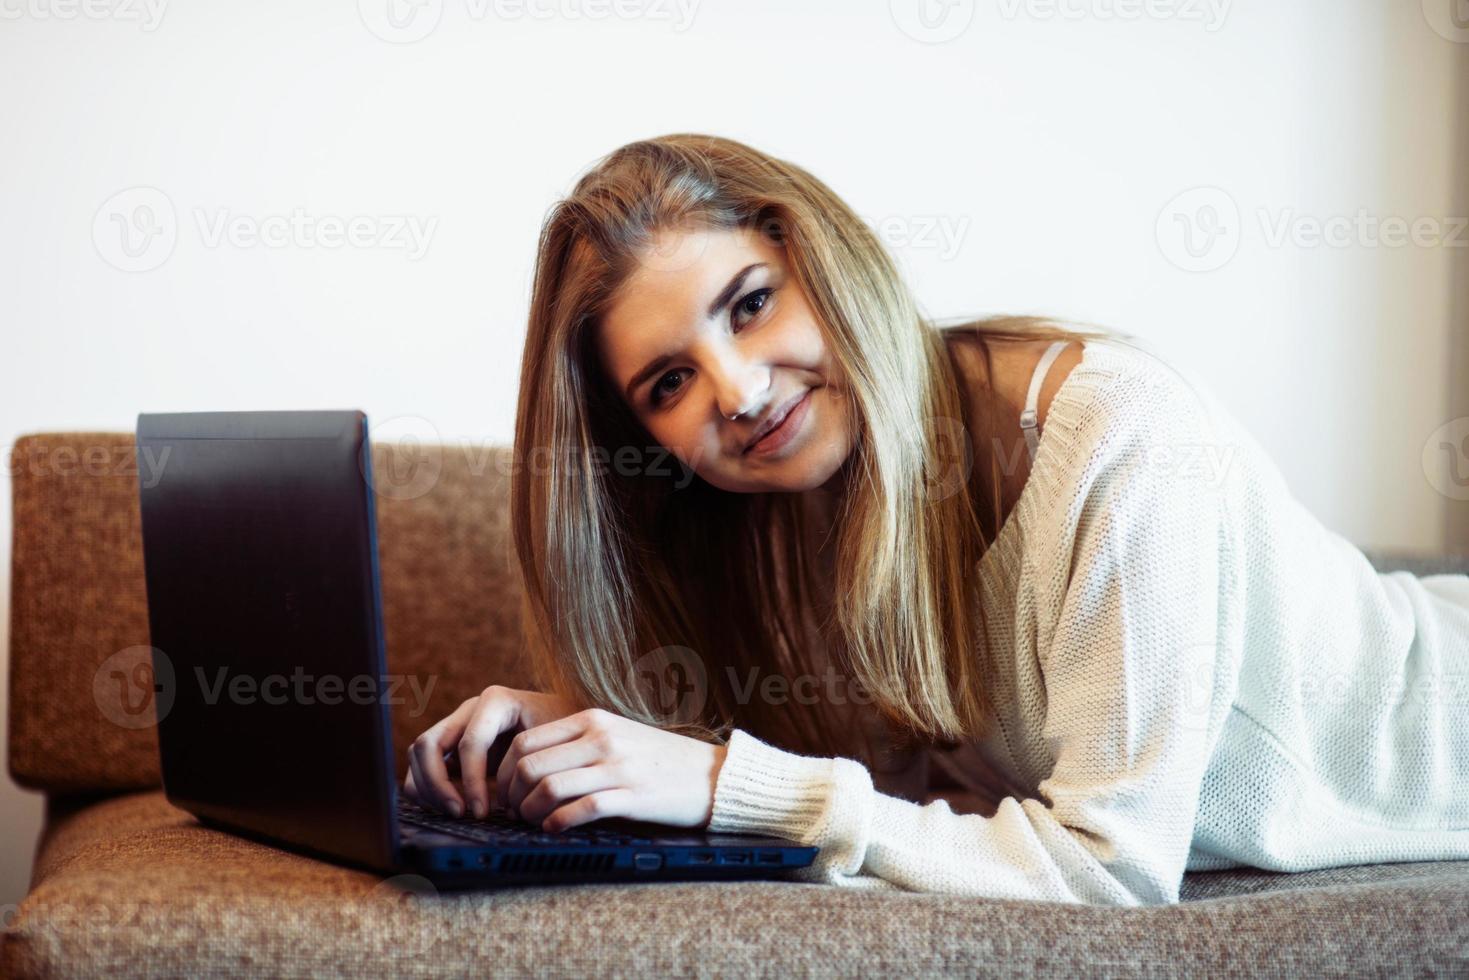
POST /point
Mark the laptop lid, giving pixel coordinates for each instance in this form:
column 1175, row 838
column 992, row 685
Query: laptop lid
column 260, row 562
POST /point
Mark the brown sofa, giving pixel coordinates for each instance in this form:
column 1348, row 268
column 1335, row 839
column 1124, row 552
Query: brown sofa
column 124, row 883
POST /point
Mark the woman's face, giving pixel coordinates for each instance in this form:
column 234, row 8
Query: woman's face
column 712, row 323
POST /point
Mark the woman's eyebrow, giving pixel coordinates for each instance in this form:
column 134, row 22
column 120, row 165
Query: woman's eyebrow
column 725, row 295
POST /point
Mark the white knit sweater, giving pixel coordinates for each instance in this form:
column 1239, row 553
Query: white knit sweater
column 1191, row 673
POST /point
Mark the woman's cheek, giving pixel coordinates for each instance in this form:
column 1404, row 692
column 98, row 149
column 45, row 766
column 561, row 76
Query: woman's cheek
column 688, row 448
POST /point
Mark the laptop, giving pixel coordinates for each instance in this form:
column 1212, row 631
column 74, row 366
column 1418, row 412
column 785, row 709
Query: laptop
column 273, row 697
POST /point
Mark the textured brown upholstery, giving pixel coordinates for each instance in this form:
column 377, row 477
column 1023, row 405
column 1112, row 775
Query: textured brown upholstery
column 450, row 600
column 125, row 882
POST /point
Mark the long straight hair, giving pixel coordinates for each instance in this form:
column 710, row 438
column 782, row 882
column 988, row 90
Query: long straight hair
column 641, row 581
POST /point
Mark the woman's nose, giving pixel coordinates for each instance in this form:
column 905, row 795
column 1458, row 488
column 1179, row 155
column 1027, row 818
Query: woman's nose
column 739, row 386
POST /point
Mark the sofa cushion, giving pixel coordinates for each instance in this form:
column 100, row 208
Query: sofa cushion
column 132, row 879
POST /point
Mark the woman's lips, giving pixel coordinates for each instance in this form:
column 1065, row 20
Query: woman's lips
column 783, row 433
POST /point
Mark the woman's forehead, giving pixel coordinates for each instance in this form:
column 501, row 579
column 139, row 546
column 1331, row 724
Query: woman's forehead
column 672, row 281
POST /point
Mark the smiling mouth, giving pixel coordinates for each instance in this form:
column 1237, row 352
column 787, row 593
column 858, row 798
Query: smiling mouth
column 780, row 421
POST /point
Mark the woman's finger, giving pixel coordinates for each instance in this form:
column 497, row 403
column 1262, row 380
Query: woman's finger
column 565, row 785
column 497, row 712
column 534, row 769
column 426, row 759
column 534, row 740
column 616, row 802
column 410, row 782
column 409, row 790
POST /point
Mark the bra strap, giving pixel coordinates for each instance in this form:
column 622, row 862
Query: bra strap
column 1032, row 398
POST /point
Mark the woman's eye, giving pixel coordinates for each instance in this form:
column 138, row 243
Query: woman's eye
column 753, row 303
column 658, row 392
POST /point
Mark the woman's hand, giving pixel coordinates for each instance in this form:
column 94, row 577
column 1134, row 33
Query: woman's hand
column 468, row 738
column 595, row 764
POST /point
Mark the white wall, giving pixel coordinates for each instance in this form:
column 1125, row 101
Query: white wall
column 1046, row 138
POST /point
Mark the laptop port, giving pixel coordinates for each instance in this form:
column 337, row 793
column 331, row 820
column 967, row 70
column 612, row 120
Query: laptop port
column 647, row 861
column 456, row 862
column 701, row 857
column 769, row 857
column 735, row 857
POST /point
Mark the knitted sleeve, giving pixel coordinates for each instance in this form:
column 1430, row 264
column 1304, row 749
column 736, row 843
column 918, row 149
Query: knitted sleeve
column 1130, row 712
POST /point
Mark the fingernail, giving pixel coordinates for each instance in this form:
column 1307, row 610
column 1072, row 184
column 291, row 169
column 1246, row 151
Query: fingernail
column 455, row 809
column 478, row 808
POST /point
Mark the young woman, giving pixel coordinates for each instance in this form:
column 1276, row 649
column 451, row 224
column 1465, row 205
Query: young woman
column 1039, row 557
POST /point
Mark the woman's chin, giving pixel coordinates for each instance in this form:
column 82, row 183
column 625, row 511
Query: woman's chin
column 810, row 470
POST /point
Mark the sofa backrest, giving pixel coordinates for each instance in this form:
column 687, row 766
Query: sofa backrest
column 450, row 592
column 79, row 609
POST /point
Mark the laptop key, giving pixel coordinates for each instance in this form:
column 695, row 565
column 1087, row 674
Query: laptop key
column 498, row 827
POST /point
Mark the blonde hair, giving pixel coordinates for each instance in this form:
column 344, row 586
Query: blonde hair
column 622, row 572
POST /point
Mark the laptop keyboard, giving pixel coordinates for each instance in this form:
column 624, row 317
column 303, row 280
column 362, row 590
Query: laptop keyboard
column 499, row 827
